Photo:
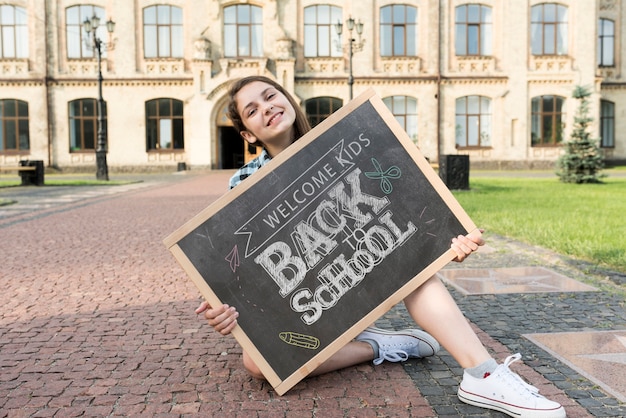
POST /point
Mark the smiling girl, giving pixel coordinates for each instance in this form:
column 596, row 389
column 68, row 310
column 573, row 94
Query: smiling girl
column 267, row 116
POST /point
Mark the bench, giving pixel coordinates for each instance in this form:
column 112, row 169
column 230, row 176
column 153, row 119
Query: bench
column 31, row 172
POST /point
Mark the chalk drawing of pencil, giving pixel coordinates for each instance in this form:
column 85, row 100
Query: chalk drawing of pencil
column 300, row 340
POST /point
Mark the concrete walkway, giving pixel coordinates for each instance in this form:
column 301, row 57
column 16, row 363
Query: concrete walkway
column 96, row 319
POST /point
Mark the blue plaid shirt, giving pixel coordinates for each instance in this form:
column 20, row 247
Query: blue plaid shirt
column 249, row 169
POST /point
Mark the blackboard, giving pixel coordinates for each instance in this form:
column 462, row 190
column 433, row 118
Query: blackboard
column 323, row 240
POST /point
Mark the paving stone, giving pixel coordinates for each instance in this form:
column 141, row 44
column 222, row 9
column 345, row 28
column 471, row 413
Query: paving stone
column 96, row 319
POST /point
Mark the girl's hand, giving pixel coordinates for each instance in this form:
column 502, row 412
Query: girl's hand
column 465, row 245
column 223, row 318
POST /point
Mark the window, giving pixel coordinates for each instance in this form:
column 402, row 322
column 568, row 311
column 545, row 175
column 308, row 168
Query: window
column 547, row 120
column 319, row 108
column 14, row 134
column 163, row 32
column 243, row 30
column 13, row 32
column 75, row 16
column 404, row 109
column 320, row 36
column 548, row 29
column 473, row 121
column 473, row 30
column 83, row 123
column 607, row 124
column 164, row 125
column 398, row 31
column 606, row 43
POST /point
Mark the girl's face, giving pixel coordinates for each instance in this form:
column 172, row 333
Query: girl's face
column 267, row 115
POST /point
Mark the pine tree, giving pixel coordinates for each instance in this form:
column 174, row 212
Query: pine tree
column 582, row 161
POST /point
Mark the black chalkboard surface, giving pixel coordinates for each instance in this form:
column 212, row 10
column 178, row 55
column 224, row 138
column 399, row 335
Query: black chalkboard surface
column 323, row 240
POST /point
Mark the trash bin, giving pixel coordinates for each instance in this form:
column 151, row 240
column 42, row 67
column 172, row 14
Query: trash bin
column 32, row 177
column 454, row 171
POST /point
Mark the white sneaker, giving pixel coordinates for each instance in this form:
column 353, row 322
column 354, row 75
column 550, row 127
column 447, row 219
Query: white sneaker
column 400, row 345
column 504, row 391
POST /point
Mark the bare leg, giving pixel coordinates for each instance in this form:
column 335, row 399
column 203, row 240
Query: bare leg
column 353, row 353
column 433, row 308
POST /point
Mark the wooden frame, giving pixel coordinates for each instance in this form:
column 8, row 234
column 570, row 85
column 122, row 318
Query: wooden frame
column 323, row 240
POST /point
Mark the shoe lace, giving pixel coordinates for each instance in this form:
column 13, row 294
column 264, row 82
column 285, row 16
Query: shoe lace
column 507, row 362
column 393, row 355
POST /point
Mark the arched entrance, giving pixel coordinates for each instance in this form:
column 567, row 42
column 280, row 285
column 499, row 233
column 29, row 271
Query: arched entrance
column 232, row 150
column 230, row 146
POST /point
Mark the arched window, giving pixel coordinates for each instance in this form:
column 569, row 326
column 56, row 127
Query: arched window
column 320, row 36
column 75, row 33
column 606, row 43
column 319, row 108
column 398, row 31
column 164, row 125
column 473, row 30
column 607, row 124
column 243, row 31
column 473, row 121
column 14, row 133
column 404, row 108
column 13, row 32
column 548, row 29
column 83, row 124
column 547, row 117
column 163, row 32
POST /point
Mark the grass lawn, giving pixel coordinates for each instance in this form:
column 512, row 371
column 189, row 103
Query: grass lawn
column 585, row 221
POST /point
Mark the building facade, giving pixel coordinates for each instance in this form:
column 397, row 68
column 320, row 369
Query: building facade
column 490, row 79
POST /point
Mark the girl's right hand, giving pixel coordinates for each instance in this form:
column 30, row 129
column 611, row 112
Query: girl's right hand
column 223, row 318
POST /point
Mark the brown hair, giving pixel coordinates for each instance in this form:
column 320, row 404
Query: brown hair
column 301, row 124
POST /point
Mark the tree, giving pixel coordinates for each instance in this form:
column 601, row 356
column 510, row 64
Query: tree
column 582, row 161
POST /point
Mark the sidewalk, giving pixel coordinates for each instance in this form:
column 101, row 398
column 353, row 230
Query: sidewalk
column 96, row 319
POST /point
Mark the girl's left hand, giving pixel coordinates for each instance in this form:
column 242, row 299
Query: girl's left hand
column 465, row 245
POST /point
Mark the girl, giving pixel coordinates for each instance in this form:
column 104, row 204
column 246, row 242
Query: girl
column 268, row 117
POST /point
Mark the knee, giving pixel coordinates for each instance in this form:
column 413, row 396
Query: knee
column 251, row 367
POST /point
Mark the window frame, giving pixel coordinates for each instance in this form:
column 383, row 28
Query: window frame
column 607, row 124
column 538, row 118
column 155, row 124
column 477, row 118
column 602, row 40
column 334, row 104
column 254, row 46
column 82, row 119
column 164, row 39
column 484, row 30
column 327, row 28
column 75, row 34
column 16, row 29
column 399, row 106
column 20, row 124
column 389, row 36
column 553, row 28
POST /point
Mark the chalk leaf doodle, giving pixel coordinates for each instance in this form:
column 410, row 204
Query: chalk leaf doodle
column 300, row 340
column 233, row 258
column 392, row 172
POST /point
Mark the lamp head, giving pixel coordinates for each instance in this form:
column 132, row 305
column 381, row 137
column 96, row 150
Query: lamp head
column 339, row 27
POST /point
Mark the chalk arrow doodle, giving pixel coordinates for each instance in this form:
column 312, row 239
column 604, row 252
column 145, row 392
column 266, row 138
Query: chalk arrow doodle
column 300, row 340
column 392, row 172
column 233, row 259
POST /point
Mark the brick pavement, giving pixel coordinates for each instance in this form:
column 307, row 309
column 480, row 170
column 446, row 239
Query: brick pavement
column 96, row 319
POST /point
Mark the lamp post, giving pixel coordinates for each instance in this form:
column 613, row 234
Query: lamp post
column 95, row 43
column 353, row 46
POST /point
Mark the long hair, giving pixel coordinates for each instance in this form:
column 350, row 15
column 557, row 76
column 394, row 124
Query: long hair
column 301, row 124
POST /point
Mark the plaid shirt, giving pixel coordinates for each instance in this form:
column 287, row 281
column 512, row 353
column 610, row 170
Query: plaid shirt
column 249, row 169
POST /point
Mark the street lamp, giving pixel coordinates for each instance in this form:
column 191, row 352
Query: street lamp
column 95, row 43
column 353, row 46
